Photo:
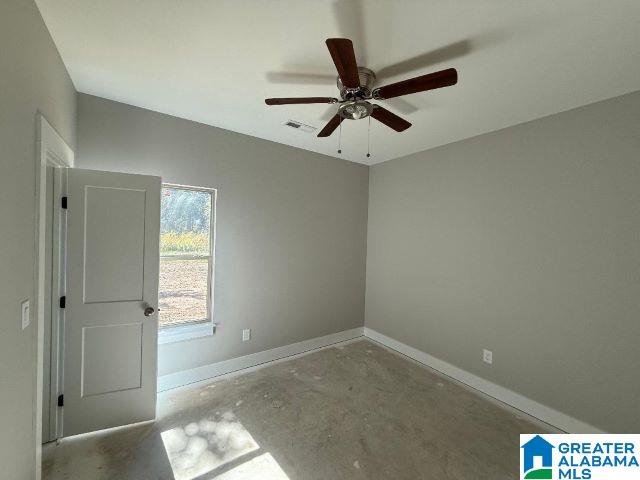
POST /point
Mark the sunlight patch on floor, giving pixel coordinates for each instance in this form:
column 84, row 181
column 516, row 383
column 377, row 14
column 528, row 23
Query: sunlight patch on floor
column 200, row 447
column 263, row 467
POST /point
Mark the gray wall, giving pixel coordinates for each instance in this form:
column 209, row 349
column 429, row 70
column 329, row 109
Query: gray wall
column 32, row 79
column 524, row 241
column 291, row 227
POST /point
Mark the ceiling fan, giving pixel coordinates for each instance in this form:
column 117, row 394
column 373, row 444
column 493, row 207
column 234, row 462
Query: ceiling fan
column 356, row 86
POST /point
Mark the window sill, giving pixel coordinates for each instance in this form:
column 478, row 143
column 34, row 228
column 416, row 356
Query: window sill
column 180, row 333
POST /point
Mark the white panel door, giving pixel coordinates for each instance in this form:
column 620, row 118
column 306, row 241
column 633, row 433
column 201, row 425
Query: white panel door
column 111, row 321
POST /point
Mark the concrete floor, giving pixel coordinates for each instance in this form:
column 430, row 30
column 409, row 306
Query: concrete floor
column 357, row 411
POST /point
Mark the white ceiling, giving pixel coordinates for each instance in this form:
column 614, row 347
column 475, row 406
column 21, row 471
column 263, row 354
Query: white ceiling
column 215, row 61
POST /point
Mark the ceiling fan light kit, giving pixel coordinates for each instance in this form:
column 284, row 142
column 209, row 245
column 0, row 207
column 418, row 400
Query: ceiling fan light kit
column 356, row 87
column 355, row 109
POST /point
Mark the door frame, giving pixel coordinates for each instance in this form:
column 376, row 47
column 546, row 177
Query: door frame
column 55, row 285
column 52, row 150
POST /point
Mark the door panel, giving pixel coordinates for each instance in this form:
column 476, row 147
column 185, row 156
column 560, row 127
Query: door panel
column 101, row 371
column 113, row 224
column 114, row 268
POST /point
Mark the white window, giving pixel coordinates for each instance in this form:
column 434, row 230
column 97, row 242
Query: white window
column 187, row 234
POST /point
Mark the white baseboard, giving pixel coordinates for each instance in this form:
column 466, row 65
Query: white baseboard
column 258, row 360
column 524, row 404
column 206, row 372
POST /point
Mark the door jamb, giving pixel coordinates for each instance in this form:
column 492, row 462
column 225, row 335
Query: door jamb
column 52, row 150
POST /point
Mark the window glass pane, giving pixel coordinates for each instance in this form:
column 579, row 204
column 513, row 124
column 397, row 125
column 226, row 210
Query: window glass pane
column 185, row 221
column 183, row 291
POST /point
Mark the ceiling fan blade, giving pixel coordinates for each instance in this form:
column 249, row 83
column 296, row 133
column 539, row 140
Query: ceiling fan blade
column 344, row 58
column 290, row 101
column 330, row 127
column 349, row 17
column 431, row 81
column 391, row 120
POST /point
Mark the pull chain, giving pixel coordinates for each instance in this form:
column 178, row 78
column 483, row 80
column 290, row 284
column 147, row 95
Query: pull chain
column 340, row 136
column 369, row 138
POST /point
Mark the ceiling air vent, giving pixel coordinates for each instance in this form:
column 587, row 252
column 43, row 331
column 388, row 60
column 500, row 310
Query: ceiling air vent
column 299, row 126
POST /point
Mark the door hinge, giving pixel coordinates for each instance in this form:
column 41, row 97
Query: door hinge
column 61, row 400
column 64, row 202
column 63, row 301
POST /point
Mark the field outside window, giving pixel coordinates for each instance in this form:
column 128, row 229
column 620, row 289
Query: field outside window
column 186, row 255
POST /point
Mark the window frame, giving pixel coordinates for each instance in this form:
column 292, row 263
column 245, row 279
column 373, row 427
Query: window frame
column 196, row 328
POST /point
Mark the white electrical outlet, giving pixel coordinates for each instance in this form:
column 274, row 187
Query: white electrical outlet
column 246, row 334
column 487, row 356
column 24, row 308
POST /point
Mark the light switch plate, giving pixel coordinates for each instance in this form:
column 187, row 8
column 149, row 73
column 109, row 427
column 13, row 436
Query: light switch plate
column 246, row 334
column 24, row 308
column 487, row 356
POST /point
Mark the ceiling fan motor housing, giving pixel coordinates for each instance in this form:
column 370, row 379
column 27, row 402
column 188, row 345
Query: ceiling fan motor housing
column 367, row 80
column 354, row 105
